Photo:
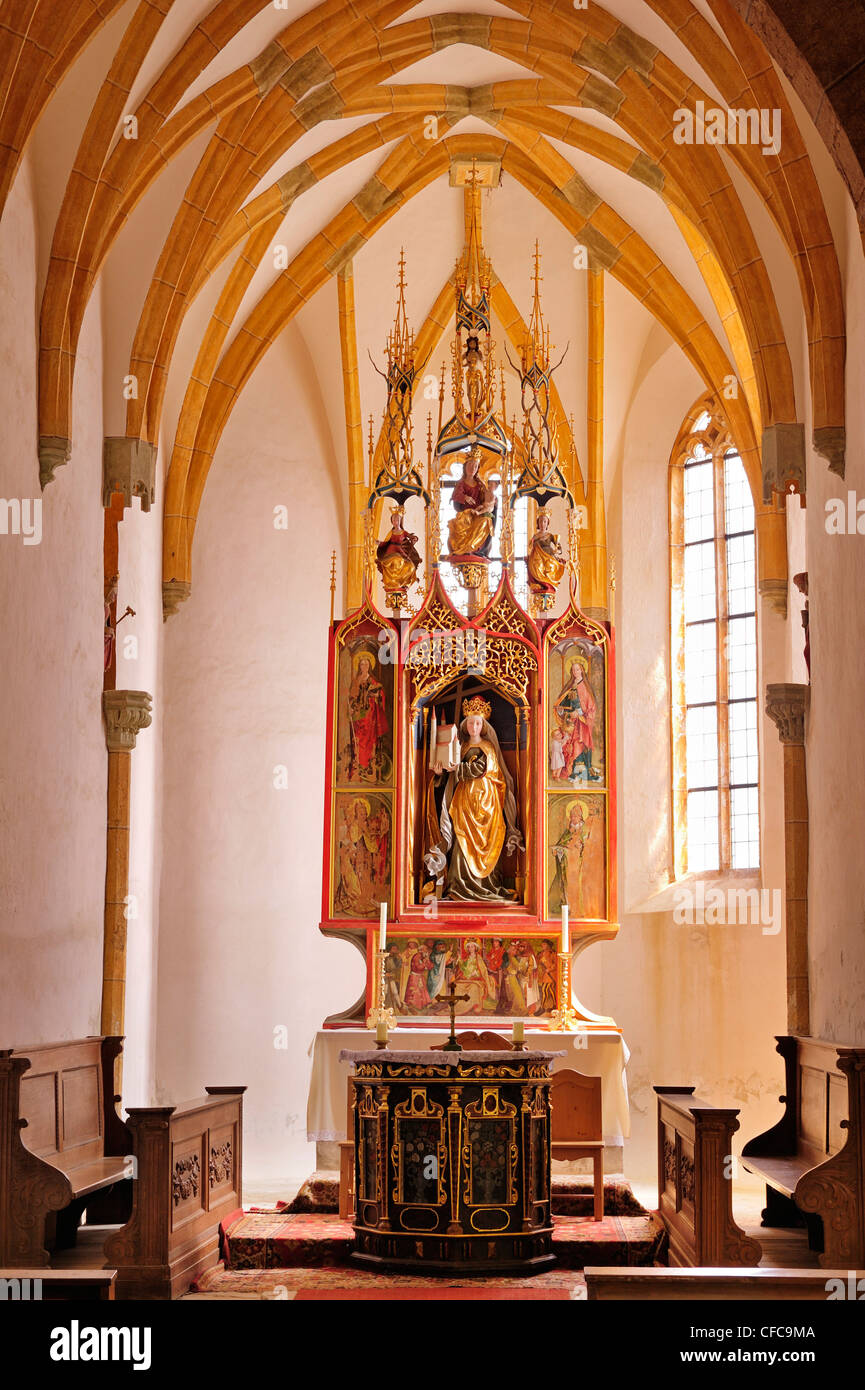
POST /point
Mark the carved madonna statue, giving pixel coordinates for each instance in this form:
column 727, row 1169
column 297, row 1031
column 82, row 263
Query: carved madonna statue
column 477, row 822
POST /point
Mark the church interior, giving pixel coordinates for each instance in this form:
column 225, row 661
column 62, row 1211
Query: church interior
column 448, row 874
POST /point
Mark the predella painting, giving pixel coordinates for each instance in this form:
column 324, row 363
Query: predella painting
column 499, row 976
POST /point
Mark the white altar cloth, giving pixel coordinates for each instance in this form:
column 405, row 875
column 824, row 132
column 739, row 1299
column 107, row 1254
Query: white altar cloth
column 601, row 1052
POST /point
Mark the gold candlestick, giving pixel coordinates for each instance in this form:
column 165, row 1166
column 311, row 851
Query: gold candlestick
column 379, row 1014
column 565, row 1018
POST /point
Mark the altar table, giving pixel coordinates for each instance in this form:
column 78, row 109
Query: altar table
column 452, row 1159
column 598, row 1052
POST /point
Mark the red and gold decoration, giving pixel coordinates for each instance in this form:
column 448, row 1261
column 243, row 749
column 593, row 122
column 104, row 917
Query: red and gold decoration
column 452, row 1160
column 471, row 773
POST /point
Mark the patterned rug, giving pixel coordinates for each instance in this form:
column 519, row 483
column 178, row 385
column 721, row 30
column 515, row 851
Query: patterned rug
column 281, row 1239
column 336, row 1282
column 572, row 1196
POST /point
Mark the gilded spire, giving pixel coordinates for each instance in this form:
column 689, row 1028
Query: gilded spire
column 400, row 343
column 473, row 350
column 398, row 476
column 537, row 346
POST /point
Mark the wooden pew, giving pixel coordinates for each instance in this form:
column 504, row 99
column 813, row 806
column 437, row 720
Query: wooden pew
column 189, row 1166
column 813, row 1159
column 730, row 1285
column 695, row 1198
column 62, row 1143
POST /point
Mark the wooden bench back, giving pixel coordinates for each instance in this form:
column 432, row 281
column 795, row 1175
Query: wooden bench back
column 821, row 1092
column 62, row 1099
column 190, row 1175
column 694, row 1195
column 575, row 1102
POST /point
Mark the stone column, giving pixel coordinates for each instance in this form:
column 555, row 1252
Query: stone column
column 126, row 711
column 786, row 705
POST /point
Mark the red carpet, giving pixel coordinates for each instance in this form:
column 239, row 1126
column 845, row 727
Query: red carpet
column 337, row 1282
column 303, row 1251
column 286, row 1254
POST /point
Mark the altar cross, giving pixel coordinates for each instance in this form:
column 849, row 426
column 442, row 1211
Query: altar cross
column 451, row 998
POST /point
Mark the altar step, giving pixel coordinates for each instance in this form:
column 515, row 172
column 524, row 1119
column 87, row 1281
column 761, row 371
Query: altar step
column 283, row 1239
column 572, row 1196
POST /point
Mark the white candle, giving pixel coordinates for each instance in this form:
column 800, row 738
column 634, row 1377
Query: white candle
column 565, row 942
column 519, row 1030
column 382, row 927
column 381, row 1032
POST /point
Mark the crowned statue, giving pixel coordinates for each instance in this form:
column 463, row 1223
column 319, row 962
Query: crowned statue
column 477, row 823
column 397, row 560
column 470, row 532
column 545, row 561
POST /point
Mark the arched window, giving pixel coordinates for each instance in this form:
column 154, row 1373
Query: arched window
column 716, row 815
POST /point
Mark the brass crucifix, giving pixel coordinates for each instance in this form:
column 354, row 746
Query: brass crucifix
column 452, row 999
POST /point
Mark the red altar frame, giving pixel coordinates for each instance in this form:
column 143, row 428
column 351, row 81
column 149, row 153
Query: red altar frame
column 538, row 637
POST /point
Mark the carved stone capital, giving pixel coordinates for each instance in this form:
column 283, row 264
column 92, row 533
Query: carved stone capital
column 174, row 592
column 783, row 460
column 774, row 591
column 786, row 706
column 53, row 453
column 129, row 467
column 126, row 712
column 831, row 442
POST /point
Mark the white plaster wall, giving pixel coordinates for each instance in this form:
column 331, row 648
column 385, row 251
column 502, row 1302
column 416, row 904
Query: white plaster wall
column 836, row 733
column 244, row 690
column 698, row 1005
column 139, row 667
column 52, row 746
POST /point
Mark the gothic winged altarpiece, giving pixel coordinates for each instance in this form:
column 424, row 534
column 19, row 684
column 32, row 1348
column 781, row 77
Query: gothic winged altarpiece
column 471, row 774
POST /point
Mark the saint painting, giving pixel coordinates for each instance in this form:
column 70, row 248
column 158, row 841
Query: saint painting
column 472, row 979
column 576, row 747
column 365, row 735
column 477, row 821
column 362, row 855
column 578, row 856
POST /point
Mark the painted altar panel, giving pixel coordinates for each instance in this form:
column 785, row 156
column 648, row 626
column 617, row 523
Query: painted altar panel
column 577, row 855
column 362, row 853
column 576, row 714
column 578, row 769
column 364, row 714
column 504, row 977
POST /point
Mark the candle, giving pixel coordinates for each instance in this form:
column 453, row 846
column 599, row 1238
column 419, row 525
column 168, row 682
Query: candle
column 519, row 1030
column 382, row 927
column 565, row 941
column 381, row 1031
